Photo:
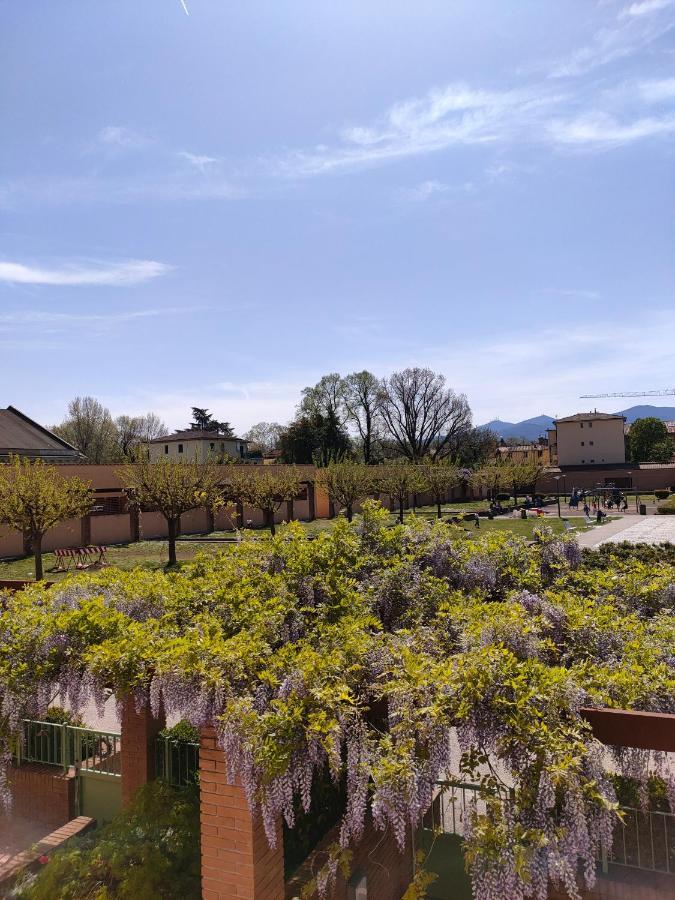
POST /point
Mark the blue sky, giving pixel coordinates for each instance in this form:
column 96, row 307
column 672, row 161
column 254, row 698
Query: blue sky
column 216, row 203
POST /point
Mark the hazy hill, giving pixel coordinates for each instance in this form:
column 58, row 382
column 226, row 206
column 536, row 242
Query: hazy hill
column 531, row 429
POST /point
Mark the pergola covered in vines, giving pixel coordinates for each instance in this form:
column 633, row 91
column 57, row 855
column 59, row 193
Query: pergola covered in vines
column 356, row 656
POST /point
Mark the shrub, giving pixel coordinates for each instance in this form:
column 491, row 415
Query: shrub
column 667, row 508
column 662, row 494
column 502, row 498
column 61, row 716
column 148, row 850
column 181, row 731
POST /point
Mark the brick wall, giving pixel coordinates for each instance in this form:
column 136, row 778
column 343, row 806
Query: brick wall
column 43, row 794
column 137, row 754
column 237, row 861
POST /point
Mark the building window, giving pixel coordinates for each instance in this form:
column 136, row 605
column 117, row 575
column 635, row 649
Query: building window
column 583, row 461
column 212, row 446
column 590, row 443
column 582, row 424
column 166, row 448
column 582, row 443
column 180, row 448
column 590, row 424
column 592, row 460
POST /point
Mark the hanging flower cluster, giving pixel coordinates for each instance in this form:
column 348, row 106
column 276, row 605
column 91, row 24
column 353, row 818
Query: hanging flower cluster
column 363, row 653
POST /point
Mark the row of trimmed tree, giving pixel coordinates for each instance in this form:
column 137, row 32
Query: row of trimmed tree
column 34, row 497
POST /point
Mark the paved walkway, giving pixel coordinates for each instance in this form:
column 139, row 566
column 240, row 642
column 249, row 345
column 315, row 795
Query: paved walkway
column 598, row 534
column 651, row 530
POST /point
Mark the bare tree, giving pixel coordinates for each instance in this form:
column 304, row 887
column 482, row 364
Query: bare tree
column 265, row 435
column 133, row 432
column 362, row 397
column 423, row 417
column 90, row 428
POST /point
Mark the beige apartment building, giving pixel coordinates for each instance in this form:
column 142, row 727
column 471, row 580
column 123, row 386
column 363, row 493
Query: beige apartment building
column 587, row 439
column 196, row 444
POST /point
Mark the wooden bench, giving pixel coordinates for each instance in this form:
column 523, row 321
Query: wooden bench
column 81, row 554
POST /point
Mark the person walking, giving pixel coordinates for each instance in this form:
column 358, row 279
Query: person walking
column 587, row 509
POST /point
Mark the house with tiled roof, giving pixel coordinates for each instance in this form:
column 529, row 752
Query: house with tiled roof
column 198, row 444
column 588, row 439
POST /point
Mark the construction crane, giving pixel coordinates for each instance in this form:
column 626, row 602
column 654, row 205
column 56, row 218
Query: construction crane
column 666, row 392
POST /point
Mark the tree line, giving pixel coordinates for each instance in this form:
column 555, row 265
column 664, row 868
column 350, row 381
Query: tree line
column 411, row 414
column 34, row 496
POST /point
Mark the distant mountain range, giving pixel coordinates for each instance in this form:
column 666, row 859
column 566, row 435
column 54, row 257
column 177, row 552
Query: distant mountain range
column 531, row 429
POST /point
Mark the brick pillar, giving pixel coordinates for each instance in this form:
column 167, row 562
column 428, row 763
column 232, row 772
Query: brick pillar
column 85, row 531
column 139, row 733
column 311, row 501
column 237, row 861
column 134, row 524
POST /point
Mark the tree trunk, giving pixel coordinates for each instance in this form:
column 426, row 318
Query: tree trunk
column 515, row 496
column 270, row 521
column 350, row 512
column 438, row 505
column 400, row 510
column 173, row 531
column 37, row 550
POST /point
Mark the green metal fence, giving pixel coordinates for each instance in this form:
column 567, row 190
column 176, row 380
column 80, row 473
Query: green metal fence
column 177, row 761
column 57, row 744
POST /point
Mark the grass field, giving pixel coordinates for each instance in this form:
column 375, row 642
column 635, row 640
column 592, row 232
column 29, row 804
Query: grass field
column 153, row 554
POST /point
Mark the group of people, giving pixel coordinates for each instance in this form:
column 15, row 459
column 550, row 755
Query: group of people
column 612, row 498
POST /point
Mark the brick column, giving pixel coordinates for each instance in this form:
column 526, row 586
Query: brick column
column 237, row 861
column 310, row 501
column 85, row 531
column 139, row 734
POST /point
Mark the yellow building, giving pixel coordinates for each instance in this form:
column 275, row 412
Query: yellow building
column 197, row 444
column 538, row 453
column 587, row 439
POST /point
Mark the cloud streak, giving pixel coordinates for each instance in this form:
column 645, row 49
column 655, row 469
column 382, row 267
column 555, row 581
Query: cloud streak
column 121, row 274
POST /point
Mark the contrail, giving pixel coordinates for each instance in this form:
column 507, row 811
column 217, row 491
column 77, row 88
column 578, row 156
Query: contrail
column 184, row 5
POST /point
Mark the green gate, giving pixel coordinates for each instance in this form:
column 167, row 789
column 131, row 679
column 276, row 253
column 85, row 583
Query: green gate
column 95, row 756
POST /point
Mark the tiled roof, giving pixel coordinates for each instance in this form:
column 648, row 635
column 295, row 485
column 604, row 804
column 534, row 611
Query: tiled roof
column 195, row 434
column 23, row 436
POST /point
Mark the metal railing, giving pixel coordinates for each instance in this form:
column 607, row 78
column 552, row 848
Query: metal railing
column 58, row 744
column 177, row 761
column 644, row 840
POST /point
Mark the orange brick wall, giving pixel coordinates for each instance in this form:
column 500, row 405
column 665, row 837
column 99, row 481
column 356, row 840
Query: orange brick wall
column 139, row 732
column 43, row 794
column 237, row 861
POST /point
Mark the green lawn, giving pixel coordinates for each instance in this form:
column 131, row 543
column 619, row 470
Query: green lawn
column 153, row 554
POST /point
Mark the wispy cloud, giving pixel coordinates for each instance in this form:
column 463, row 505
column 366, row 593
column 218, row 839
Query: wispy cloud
column 185, row 9
column 120, row 136
column 579, row 293
column 424, row 191
column 113, row 274
column 635, row 28
column 40, row 317
column 601, row 130
column 657, row 90
column 199, row 162
column 456, row 114
column 645, row 8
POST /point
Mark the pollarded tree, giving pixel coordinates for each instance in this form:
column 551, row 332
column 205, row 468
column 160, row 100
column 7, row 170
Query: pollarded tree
column 346, row 483
column 268, row 490
column 173, row 488
column 398, row 479
column 34, row 497
column 422, row 416
column 440, row 478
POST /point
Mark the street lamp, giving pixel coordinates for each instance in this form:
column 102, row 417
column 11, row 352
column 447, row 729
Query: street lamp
column 557, row 491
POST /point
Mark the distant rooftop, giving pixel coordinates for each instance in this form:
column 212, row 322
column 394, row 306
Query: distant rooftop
column 21, row 436
column 590, row 416
column 195, row 434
